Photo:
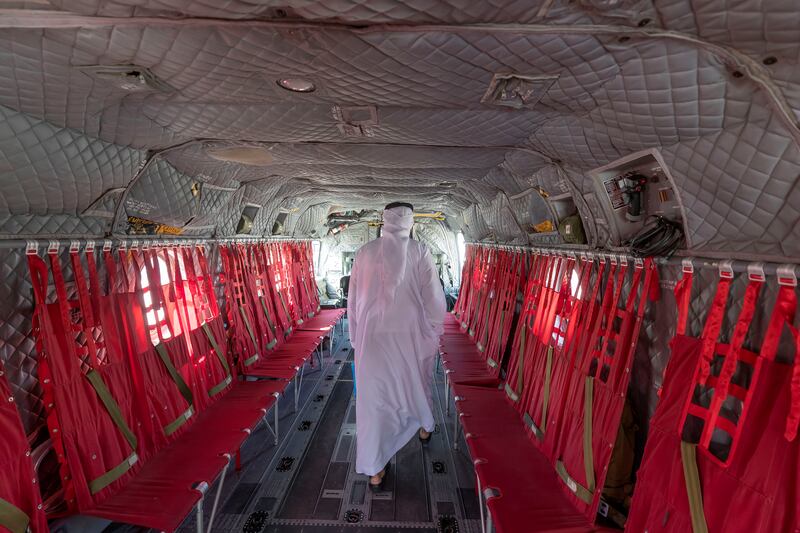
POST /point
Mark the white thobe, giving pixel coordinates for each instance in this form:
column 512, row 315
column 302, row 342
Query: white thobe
column 396, row 309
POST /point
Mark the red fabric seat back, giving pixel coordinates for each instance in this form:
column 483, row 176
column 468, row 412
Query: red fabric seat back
column 76, row 336
column 20, row 499
column 727, row 419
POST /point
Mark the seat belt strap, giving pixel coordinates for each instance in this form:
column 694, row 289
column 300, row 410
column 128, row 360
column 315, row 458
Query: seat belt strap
column 585, row 494
column 113, row 410
column 219, row 387
column 253, row 358
column 13, row 518
column 515, row 394
column 694, row 490
column 579, row 490
column 491, row 361
column 183, row 388
column 548, row 376
column 101, row 482
column 588, row 423
column 267, row 315
column 539, row 431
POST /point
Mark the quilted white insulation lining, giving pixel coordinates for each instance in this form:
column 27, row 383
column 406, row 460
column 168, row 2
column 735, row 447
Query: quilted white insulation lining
column 713, row 85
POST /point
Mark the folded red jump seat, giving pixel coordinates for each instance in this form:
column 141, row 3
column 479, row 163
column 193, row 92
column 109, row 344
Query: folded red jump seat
column 20, row 500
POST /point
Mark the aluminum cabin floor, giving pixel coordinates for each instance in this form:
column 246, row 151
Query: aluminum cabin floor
column 308, row 483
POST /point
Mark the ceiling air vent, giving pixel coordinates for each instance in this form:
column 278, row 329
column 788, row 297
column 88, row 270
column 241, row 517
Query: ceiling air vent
column 356, row 121
column 517, row 91
column 129, row 78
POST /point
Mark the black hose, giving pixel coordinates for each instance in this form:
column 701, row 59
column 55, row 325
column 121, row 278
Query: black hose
column 659, row 237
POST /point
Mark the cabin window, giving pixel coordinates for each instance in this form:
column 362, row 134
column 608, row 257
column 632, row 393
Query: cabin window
column 164, row 321
column 462, row 250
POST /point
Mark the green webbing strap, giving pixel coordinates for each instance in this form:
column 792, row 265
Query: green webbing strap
column 492, row 362
column 548, row 376
column 252, row 359
column 285, row 309
column 515, row 394
column 308, row 297
column 266, row 314
column 111, row 406
column 101, row 482
column 482, row 345
column 219, row 387
column 13, row 518
column 586, row 494
column 273, row 342
column 580, row 491
column 588, row 454
column 173, row 426
column 471, row 330
column 693, row 489
column 174, row 374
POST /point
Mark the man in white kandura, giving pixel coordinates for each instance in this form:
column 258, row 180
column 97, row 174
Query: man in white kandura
column 396, row 309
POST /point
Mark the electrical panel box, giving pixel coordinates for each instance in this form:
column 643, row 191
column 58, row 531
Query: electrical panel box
column 632, row 190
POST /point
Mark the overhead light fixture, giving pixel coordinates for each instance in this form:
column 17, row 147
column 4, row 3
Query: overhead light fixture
column 297, row 85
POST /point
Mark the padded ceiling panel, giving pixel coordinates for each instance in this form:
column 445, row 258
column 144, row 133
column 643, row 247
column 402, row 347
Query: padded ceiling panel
column 718, row 96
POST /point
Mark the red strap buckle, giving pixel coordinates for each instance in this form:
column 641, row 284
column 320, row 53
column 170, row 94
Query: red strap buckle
column 89, row 246
column 106, row 246
column 755, row 272
column 612, row 258
column 134, row 245
column 638, row 262
column 52, row 247
column 786, row 275
column 74, row 247
column 726, row 269
column 31, row 248
column 687, row 266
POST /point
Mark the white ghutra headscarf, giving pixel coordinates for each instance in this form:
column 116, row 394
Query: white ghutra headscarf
column 397, row 223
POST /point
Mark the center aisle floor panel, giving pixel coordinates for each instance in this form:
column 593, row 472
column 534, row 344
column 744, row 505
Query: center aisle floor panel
column 309, row 484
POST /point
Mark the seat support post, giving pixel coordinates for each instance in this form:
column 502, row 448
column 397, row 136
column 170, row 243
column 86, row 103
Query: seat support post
column 219, row 493
column 481, row 502
column 202, row 488
column 446, row 394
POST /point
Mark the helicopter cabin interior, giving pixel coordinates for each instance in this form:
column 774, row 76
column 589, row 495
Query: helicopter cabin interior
column 609, row 191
